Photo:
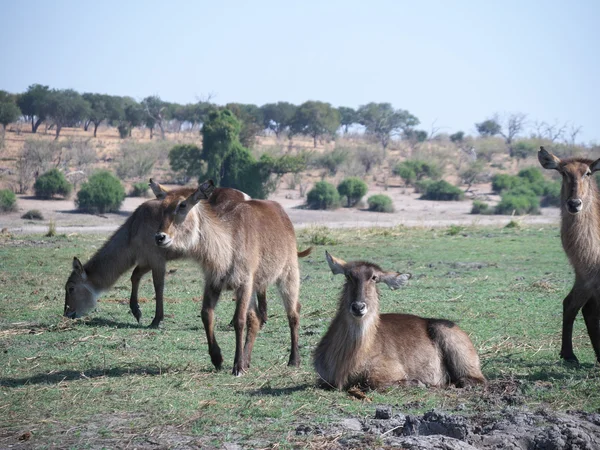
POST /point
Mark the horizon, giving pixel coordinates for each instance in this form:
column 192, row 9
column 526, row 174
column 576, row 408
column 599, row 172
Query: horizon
column 449, row 65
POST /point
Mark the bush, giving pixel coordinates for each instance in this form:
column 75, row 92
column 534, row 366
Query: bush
column 331, row 160
column 139, row 189
column 551, row 194
column 414, row 170
column 102, row 193
column 421, row 186
column 353, row 189
column 136, row 159
column 8, row 200
column 186, row 160
column 518, row 203
column 535, row 178
column 33, row 214
column 380, row 203
column 503, row 182
column 323, row 196
column 524, row 149
column 52, row 183
column 480, row 207
column 442, row 190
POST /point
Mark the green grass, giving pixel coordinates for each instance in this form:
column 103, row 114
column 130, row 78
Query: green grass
column 105, row 377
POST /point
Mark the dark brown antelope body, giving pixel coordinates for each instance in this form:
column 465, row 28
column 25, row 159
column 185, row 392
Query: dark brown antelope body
column 245, row 248
column 580, row 236
column 131, row 245
column 363, row 347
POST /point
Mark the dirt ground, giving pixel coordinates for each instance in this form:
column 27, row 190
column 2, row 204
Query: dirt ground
column 410, row 211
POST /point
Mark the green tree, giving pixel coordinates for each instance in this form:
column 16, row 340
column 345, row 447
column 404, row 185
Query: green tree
column 186, row 159
column 127, row 114
column 66, row 107
column 353, row 189
column 348, row 117
column 220, row 134
column 457, row 137
column 9, row 111
column 277, row 117
column 488, row 128
column 251, row 121
column 100, row 108
column 382, row 121
column 155, row 113
column 34, row 104
column 315, row 119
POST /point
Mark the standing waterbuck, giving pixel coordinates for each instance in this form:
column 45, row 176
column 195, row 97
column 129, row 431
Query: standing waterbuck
column 376, row 350
column 245, row 249
column 132, row 244
column 580, row 236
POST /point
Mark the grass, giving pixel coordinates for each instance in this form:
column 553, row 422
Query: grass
column 71, row 383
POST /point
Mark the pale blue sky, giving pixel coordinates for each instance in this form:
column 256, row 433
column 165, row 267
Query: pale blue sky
column 453, row 62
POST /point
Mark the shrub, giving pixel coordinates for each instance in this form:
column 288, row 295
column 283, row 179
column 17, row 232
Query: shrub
column 534, row 177
column 139, row 189
column 518, row 203
column 136, row 159
column 323, row 196
column 503, row 182
column 551, row 194
column 480, row 207
column 331, row 160
column 186, row 160
column 414, row 170
column 421, row 186
column 353, row 189
column 102, row 193
column 380, row 203
column 8, row 200
column 33, row 214
column 442, row 190
column 524, row 149
column 52, row 183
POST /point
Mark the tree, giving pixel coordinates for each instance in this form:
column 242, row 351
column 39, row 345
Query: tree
column 34, row 104
column 155, row 113
column 220, row 134
column 353, row 189
column 9, row 111
column 251, row 120
column 277, row 117
column 457, row 137
column 66, row 107
column 100, row 108
column 348, row 117
column 315, row 119
column 489, row 127
column 126, row 113
column 382, row 122
column 515, row 123
column 187, row 160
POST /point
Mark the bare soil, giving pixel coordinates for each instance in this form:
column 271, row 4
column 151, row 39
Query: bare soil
column 409, row 211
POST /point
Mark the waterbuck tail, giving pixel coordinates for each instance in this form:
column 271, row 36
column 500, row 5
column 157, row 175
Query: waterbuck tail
column 460, row 357
column 305, row 252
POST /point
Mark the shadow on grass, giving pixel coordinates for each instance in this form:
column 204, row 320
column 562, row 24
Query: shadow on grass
column 538, row 370
column 276, row 392
column 101, row 322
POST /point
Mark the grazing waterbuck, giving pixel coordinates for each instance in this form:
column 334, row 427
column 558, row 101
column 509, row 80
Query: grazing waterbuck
column 132, row 244
column 245, row 248
column 365, row 348
column 580, row 236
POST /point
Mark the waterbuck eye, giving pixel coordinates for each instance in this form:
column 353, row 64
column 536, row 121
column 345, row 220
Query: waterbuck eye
column 182, row 205
column 374, row 278
column 587, row 174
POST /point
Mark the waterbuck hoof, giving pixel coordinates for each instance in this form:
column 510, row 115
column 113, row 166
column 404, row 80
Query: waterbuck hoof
column 294, row 362
column 155, row 323
column 217, row 361
column 137, row 314
column 238, row 370
column 570, row 359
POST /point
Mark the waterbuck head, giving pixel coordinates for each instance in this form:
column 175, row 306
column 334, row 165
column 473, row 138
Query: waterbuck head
column 360, row 297
column 80, row 297
column 176, row 205
column 578, row 187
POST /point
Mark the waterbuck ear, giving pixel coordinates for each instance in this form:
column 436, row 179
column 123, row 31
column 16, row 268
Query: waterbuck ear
column 196, row 197
column 335, row 264
column 394, row 280
column 595, row 166
column 207, row 187
column 548, row 160
column 158, row 190
column 78, row 267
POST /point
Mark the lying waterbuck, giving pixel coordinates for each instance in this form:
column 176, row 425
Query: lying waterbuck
column 580, row 235
column 245, row 249
column 132, row 244
column 365, row 348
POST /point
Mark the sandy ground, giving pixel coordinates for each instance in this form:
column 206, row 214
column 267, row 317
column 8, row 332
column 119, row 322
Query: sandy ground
column 410, row 211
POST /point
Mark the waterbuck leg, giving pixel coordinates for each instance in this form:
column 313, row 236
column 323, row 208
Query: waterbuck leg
column 211, row 297
column 289, row 288
column 158, row 278
column 571, row 306
column 591, row 315
column 243, row 296
column 253, row 326
column 136, row 277
column 262, row 307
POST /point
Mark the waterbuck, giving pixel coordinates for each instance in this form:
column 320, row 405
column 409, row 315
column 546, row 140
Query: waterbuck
column 580, row 236
column 372, row 350
column 132, row 244
column 246, row 248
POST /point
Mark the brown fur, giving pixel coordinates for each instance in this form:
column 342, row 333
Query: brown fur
column 580, row 236
column 132, row 244
column 246, row 248
column 376, row 351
